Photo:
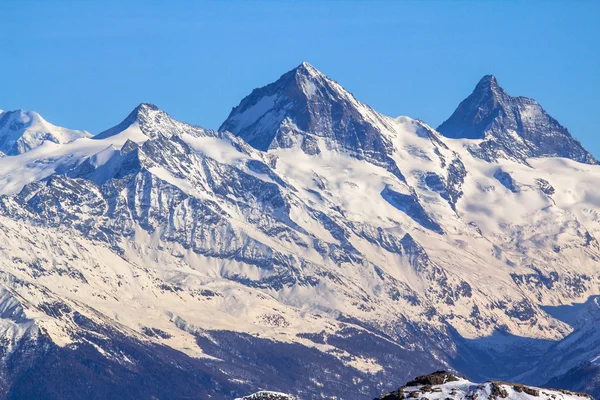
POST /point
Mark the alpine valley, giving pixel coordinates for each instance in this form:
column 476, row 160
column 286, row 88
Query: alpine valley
column 310, row 246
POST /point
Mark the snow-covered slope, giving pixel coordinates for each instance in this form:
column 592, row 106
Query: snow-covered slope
column 21, row 131
column 443, row 385
column 310, row 246
column 266, row 395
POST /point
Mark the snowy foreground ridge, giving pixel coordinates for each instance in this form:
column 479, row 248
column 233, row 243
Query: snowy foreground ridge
column 311, row 246
column 266, row 395
column 443, row 385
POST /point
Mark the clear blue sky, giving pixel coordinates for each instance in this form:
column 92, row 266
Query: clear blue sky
column 86, row 64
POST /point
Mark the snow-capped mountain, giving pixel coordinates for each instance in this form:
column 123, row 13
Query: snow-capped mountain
column 311, row 246
column 21, row 131
column 306, row 109
column 510, row 127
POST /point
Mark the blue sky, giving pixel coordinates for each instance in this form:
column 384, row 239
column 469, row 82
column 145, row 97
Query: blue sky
column 87, row 64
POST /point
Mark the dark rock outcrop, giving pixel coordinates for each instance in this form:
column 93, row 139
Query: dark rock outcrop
column 436, row 378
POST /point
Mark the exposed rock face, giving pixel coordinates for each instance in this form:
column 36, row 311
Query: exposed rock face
column 510, row 127
column 436, row 378
column 506, row 180
column 409, row 204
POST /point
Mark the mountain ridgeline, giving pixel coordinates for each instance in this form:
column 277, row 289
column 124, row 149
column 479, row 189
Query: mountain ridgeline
column 311, row 245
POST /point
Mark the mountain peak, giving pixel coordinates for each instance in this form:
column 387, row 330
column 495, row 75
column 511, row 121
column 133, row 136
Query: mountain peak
column 307, row 69
column 148, row 121
column 306, row 109
column 21, row 131
column 303, row 81
column 489, row 85
column 270, row 112
column 296, row 106
column 145, row 108
column 488, row 81
column 140, row 115
column 511, row 127
column 24, row 116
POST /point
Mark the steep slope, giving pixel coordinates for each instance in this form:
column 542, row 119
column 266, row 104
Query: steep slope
column 510, row 127
column 21, row 131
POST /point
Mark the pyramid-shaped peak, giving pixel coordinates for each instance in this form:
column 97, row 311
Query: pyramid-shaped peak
column 297, row 78
column 491, row 114
column 301, row 100
column 307, row 70
column 306, row 109
column 146, row 107
column 303, row 80
column 488, row 85
column 143, row 110
column 488, row 80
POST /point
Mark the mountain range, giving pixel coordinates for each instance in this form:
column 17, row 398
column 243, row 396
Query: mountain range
column 311, row 245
